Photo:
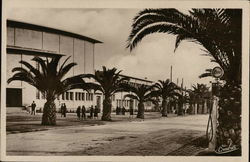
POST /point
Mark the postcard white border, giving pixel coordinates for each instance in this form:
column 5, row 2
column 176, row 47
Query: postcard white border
column 132, row 4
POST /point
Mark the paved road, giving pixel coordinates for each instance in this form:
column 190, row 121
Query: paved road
column 149, row 137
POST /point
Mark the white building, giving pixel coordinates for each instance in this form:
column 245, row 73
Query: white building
column 128, row 103
column 24, row 41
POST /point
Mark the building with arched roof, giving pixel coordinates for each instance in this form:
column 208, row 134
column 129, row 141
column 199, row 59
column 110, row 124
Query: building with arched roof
column 25, row 40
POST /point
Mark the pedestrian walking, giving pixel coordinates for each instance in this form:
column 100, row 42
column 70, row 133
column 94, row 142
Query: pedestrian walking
column 83, row 112
column 131, row 112
column 117, row 110
column 96, row 111
column 65, row 110
column 62, row 109
column 78, row 112
column 33, row 108
column 91, row 112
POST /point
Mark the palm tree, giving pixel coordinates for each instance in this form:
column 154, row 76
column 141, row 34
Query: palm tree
column 217, row 30
column 141, row 93
column 49, row 81
column 192, row 101
column 109, row 82
column 200, row 91
column 166, row 90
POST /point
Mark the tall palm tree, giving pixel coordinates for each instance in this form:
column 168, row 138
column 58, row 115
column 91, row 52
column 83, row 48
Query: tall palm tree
column 109, row 82
column 49, row 81
column 217, row 30
column 200, row 91
column 166, row 90
column 192, row 101
column 141, row 93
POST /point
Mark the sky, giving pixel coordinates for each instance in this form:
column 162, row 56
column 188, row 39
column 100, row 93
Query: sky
column 151, row 59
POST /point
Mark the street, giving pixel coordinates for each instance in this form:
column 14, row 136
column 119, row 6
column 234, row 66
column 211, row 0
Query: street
column 152, row 137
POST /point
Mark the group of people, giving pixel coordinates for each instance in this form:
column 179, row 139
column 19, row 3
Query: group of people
column 81, row 112
column 120, row 111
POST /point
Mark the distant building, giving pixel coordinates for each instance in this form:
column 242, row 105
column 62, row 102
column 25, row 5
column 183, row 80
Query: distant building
column 128, row 103
column 24, row 41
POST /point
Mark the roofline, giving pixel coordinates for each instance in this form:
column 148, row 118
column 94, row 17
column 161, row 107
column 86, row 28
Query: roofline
column 149, row 81
column 24, row 25
column 31, row 51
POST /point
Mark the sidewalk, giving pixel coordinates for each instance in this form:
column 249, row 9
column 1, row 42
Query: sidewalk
column 19, row 121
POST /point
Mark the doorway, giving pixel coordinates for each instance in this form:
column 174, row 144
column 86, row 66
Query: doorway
column 98, row 102
column 14, row 97
column 131, row 104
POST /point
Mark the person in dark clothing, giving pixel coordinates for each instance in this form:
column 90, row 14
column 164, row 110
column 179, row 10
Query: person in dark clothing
column 91, row 112
column 96, row 111
column 83, row 112
column 117, row 110
column 123, row 110
column 131, row 112
column 78, row 112
column 62, row 109
column 65, row 110
column 33, row 108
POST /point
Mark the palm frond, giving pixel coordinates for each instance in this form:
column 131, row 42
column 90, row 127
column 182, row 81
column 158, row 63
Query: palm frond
column 65, row 70
column 62, row 66
column 20, row 69
column 31, row 68
column 217, row 30
column 204, row 75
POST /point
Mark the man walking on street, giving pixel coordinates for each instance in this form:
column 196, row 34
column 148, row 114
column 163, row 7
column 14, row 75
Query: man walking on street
column 78, row 112
column 33, row 108
column 83, row 112
column 96, row 111
column 91, row 112
column 62, row 110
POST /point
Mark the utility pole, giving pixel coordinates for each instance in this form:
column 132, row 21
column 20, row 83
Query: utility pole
column 171, row 74
column 182, row 96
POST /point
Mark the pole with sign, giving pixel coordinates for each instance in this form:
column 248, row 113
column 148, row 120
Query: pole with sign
column 217, row 73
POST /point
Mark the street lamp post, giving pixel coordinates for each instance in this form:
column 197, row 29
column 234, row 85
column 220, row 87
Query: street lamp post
column 217, row 73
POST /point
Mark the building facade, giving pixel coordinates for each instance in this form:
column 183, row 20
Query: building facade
column 24, row 41
column 120, row 101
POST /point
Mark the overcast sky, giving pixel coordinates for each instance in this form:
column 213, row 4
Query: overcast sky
column 151, row 58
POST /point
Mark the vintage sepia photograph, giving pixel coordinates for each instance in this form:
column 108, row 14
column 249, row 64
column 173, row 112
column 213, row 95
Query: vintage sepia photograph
column 130, row 81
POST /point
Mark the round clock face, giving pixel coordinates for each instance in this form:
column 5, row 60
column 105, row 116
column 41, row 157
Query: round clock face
column 217, row 72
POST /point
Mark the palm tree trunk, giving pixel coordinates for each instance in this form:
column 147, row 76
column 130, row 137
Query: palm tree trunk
column 164, row 108
column 198, row 107
column 49, row 113
column 203, row 106
column 195, row 108
column 191, row 108
column 140, row 113
column 107, row 105
column 180, row 107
